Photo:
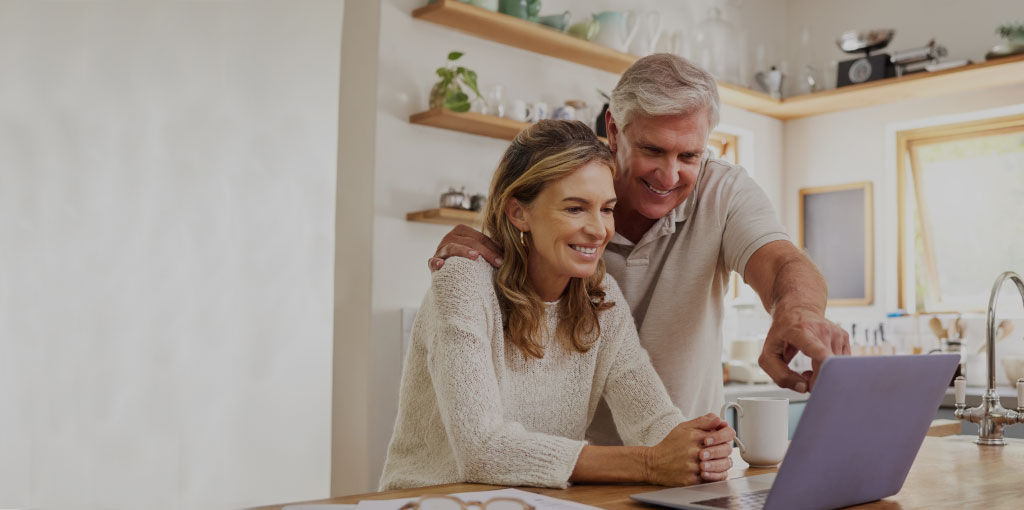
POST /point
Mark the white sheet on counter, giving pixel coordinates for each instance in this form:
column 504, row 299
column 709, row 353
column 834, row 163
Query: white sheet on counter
column 319, row 506
column 538, row 501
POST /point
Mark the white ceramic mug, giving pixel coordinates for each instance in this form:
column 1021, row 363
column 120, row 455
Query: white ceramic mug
column 539, row 111
column 564, row 113
column 520, row 111
column 764, row 424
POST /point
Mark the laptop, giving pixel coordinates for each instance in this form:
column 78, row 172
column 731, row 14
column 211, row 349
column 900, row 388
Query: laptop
column 859, row 434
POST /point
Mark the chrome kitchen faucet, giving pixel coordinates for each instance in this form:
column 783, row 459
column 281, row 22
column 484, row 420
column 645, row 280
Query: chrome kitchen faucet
column 990, row 415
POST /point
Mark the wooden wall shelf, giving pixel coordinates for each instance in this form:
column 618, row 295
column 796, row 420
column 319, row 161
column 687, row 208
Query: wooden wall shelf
column 473, row 123
column 470, row 122
column 446, row 216
column 506, row 129
column 533, row 37
column 512, row 31
column 980, row 76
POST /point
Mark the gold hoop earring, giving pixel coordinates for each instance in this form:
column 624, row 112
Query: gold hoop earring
column 522, row 240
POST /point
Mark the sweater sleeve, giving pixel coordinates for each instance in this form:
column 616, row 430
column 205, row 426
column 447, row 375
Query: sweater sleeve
column 643, row 412
column 487, row 448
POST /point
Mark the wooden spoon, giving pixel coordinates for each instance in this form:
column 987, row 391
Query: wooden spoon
column 937, row 328
column 1003, row 330
column 958, row 328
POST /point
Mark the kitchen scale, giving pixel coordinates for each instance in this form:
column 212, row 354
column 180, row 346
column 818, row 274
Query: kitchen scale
column 869, row 67
column 925, row 58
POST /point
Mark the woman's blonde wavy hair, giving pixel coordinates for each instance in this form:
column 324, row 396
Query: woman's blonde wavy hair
column 540, row 154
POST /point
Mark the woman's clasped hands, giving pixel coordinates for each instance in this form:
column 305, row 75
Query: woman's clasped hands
column 695, row 451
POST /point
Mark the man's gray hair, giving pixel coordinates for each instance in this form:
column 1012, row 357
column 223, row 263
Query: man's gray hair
column 664, row 84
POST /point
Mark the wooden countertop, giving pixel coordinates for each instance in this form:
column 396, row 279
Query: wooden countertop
column 949, row 473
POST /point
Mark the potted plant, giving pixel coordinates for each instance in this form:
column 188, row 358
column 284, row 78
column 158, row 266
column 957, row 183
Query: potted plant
column 448, row 92
column 1012, row 32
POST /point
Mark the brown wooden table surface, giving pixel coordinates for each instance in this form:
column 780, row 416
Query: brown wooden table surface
column 949, row 472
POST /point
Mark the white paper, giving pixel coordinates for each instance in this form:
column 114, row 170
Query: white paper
column 538, row 501
column 319, row 506
column 383, row 504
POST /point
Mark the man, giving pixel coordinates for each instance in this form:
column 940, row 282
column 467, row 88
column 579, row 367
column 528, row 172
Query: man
column 683, row 222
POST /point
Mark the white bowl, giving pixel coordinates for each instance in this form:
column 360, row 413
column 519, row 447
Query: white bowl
column 1014, row 368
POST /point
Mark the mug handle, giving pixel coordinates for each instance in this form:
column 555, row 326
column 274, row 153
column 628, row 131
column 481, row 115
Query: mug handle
column 739, row 414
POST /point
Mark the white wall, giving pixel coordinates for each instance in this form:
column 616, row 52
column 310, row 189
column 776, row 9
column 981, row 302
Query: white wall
column 415, row 164
column 167, row 181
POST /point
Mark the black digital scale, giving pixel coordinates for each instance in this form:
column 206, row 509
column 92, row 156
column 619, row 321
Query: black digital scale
column 865, row 69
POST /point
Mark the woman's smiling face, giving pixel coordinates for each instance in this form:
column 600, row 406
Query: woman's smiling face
column 567, row 227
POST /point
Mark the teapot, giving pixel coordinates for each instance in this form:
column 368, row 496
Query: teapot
column 585, row 30
column 456, row 199
column 558, row 22
column 617, row 29
column 770, row 82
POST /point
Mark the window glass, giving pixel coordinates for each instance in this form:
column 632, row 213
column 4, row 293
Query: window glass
column 967, row 199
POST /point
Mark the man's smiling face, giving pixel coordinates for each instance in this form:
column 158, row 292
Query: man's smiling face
column 658, row 161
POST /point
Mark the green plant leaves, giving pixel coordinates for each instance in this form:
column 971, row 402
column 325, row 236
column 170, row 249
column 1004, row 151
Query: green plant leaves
column 469, row 78
column 1011, row 30
column 457, row 101
column 447, row 75
column 451, row 83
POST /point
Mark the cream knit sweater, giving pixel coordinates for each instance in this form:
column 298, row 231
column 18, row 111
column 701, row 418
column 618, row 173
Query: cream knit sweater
column 473, row 409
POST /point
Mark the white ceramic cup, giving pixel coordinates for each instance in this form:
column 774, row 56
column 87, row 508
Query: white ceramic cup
column 539, row 111
column 564, row 113
column 764, row 424
column 520, row 111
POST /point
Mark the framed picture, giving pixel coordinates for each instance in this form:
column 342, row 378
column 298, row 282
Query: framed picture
column 724, row 146
column 837, row 233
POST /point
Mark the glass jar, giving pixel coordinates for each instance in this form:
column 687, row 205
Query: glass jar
column 716, row 45
column 496, row 101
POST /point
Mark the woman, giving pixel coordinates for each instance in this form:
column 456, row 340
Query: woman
column 506, row 366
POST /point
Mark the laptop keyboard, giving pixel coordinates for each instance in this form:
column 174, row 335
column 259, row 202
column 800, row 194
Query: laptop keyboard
column 746, row 501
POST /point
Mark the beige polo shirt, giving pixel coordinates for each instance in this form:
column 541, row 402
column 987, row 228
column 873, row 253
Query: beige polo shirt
column 675, row 280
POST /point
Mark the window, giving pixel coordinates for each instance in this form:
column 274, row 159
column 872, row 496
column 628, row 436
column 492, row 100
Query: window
column 961, row 205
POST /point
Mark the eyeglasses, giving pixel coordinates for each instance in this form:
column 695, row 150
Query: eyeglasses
column 451, row 503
